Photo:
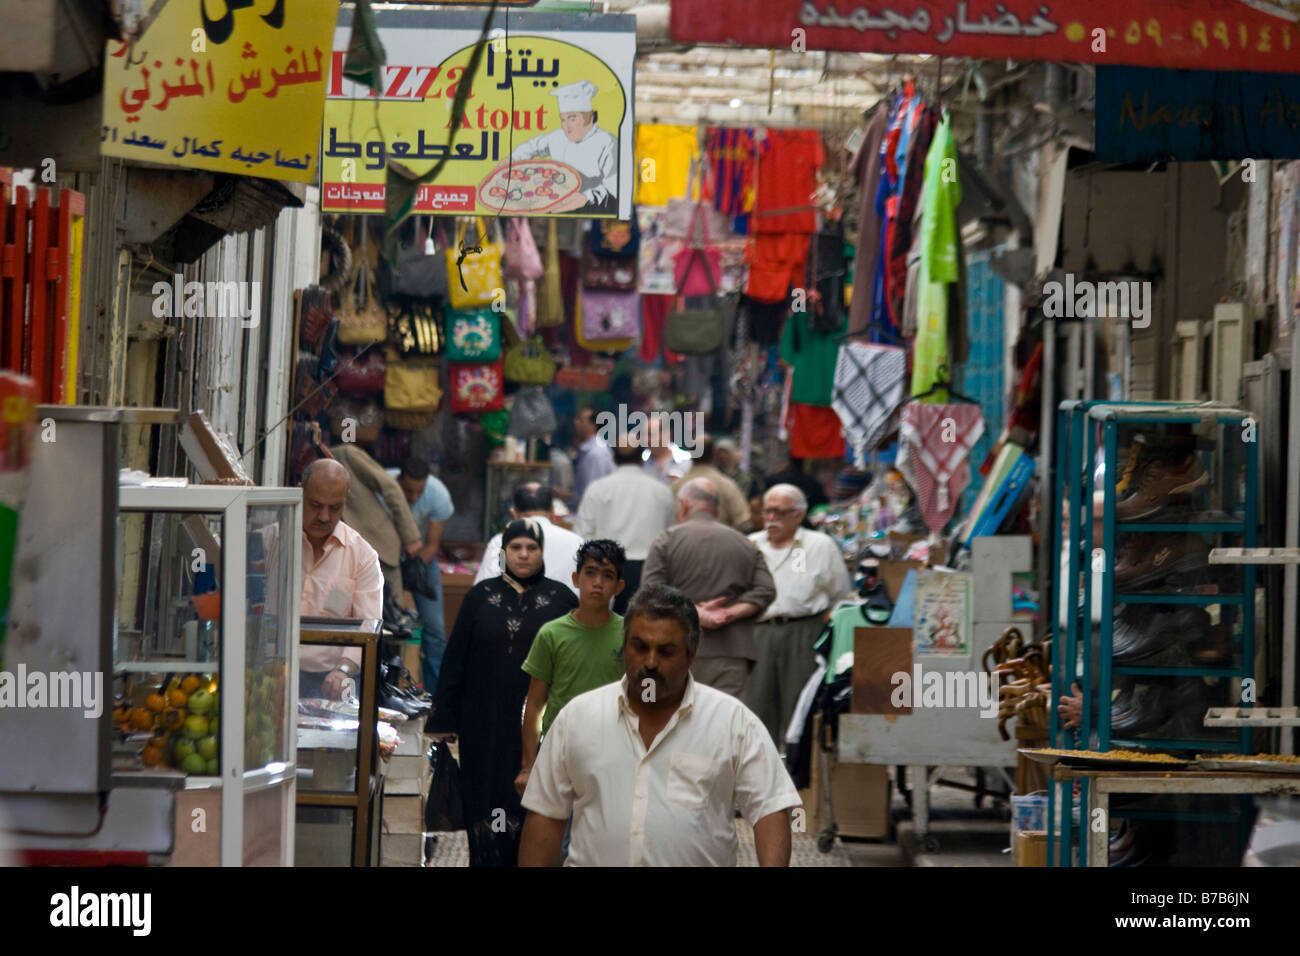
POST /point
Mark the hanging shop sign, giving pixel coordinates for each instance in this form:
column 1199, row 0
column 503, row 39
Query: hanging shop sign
column 1187, row 34
column 1147, row 115
column 547, row 129
column 242, row 92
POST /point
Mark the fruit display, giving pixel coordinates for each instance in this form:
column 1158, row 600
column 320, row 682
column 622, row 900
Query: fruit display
column 182, row 716
column 265, row 688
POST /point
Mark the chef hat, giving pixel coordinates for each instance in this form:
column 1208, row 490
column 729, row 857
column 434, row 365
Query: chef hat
column 575, row 97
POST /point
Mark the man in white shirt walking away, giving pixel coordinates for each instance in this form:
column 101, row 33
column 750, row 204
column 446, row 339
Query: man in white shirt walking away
column 810, row 578
column 629, row 507
column 653, row 767
column 532, row 499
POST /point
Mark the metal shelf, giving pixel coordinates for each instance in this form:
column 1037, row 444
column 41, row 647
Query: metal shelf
column 1178, row 743
column 1154, row 597
column 167, row 667
column 1178, row 527
column 1176, row 671
column 1255, row 555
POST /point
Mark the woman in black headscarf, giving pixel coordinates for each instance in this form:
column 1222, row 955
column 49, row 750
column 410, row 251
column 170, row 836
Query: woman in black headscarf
column 482, row 686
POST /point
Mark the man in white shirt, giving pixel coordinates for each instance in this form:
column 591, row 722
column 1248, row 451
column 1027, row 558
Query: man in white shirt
column 629, row 507
column 811, row 578
column 653, row 767
column 532, row 499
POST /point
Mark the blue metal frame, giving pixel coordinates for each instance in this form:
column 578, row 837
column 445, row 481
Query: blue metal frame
column 1077, row 443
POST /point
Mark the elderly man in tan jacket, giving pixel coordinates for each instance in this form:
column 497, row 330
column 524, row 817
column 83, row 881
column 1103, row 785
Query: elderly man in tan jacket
column 733, row 506
column 377, row 510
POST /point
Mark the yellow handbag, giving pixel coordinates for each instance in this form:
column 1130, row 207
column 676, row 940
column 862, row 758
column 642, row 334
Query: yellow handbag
column 475, row 281
column 550, row 296
column 411, row 385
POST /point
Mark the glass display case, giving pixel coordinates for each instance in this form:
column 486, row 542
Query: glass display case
column 205, row 660
column 337, row 744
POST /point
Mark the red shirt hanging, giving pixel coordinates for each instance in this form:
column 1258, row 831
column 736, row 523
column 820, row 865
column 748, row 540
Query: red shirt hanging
column 787, row 179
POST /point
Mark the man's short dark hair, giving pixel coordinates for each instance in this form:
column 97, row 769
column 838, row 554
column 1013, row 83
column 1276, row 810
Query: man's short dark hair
column 628, row 452
column 415, row 468
column 532, row 496
column 658, row 602
column 601, row 550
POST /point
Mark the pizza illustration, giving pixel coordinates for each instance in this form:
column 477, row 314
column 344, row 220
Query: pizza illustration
column 530, row 185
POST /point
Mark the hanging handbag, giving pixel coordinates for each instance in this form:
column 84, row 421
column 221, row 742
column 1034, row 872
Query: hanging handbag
column 529, row 363
column 366, row 418
column 610, row 316
column 473, row 336
column 695, row 331
column 697, row 269
column 531, row 414
column 443, row 807
column 610, row 275
column 362, row 320
column 415, row 327
column 615, row 238
column 411, row 385
column 474, row 278
column 522, row 260
column 477, row 387
column 420, row 275
column 680, row 215
column 361, row 374
column 550, row 295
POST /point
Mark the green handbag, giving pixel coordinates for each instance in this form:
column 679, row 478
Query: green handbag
column 473, row 336
column 529, row 363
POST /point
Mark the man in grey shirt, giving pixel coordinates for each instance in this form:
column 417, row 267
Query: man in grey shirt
column 724, row 574
column 595, row 460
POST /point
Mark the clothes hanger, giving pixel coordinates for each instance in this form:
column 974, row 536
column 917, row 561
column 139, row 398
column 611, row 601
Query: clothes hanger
column 942, row 381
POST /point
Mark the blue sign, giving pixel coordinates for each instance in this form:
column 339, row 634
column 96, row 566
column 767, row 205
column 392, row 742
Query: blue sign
column 1149, row 115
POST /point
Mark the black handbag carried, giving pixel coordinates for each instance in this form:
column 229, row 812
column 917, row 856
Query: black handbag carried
column 443, row 808
column 415, row 576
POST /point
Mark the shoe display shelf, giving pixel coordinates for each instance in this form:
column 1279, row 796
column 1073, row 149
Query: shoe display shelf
column 1231, row 465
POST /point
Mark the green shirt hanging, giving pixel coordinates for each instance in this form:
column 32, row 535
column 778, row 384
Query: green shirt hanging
column 812, row 356
column 939, row 201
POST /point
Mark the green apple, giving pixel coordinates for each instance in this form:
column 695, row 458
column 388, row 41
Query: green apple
column 194, row 764
column 212, row 726
column 200, row 702
column 181, row 749
column 208, row 748
column 196, row 727
column 212, row 769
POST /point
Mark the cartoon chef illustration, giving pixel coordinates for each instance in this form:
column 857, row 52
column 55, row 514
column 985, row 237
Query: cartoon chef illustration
column 582, row 144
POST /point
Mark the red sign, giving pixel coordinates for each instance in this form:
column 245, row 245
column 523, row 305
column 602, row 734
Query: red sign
column 368, row 198
column 1186, row 34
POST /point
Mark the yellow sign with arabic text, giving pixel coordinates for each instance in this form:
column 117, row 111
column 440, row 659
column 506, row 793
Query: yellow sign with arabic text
column 229, row 86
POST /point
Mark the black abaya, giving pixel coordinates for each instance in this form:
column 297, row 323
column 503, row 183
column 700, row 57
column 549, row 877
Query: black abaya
column 480, row 698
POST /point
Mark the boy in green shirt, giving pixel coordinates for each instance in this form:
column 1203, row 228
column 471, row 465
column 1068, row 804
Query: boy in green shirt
column 578, row 652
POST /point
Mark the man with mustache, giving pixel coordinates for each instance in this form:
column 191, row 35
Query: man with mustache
column 653, row 766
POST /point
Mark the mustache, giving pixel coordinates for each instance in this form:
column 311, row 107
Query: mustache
column 646, row 672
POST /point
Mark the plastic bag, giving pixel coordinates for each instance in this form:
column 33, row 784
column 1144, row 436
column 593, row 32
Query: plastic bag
column 443, row 809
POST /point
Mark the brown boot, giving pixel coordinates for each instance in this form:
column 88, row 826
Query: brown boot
column 1153, row 556
column 1213, row 649
column 1156, row 481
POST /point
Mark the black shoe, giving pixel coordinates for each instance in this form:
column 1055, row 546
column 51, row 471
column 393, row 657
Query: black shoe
column 401, row 706
column 1146, row 709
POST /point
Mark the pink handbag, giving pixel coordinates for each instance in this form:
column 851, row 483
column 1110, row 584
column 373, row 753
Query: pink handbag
column 610, row 315
column 522, row 260
column 705, row 280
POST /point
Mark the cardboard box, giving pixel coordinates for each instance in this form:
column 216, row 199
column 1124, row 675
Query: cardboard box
column 401, row 849
column 1031, row 848
column 403, row 814
column 860, row 795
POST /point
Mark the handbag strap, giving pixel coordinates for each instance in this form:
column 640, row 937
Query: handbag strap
column 690, row 263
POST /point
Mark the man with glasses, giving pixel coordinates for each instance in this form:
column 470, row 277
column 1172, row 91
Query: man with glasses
column 726, row 577
column 810, row 578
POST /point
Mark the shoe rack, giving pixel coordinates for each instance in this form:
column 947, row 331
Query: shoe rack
column 1221, row 512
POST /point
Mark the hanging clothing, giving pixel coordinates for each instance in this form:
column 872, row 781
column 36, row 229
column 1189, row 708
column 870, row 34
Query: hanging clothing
column 868, row 386
column 672, row 149
column 812, row 356
column 731, row 154
column 940, row 438
column 787, row 179
column 826, row 272
column 908, row 200
column 866, row 170
column 939, row 259
column 776, row 264
column 815, row 432
column 480, row 696
column 654, row 325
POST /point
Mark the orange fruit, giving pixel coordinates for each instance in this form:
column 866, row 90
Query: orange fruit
column 173, row 719
column 121, row 715
column 156, row 702
column 142, row 719
column 151, row 755
column 177, row 698
column 189, row 685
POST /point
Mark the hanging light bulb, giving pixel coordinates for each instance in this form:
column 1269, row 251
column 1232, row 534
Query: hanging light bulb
column 430, row 249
